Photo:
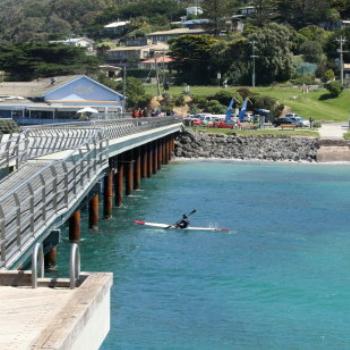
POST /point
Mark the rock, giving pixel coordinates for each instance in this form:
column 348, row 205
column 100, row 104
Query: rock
column 232, row 146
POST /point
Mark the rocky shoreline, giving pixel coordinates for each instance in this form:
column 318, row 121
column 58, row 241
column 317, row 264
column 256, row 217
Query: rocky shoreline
column 219, row 146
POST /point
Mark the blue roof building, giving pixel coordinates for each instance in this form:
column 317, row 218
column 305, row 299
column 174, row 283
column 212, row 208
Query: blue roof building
column 57, row 99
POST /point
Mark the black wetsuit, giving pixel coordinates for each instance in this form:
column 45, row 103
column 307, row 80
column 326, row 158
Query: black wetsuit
column 183, row 223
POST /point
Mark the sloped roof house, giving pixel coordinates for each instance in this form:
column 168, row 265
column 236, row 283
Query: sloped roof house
column 57, row 99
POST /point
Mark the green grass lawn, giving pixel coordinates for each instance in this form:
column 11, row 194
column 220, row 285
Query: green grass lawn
column 307, row 105
column 347, row 136
column 259, row 132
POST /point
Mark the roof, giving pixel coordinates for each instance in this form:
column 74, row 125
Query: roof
column 158, row 46
column 178, row 31
column 196, row 21
column 40, row 87
column 35, row 88
column 117, row 24
column 165, row 59
column 72, row 40
column 45, row 106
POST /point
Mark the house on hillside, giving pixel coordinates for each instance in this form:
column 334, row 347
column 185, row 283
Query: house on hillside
column 116, row 28
column 347, row 72
column 165, row 35
column 197, row 23
column 82, row 42
column 135, row 54
column 194, row 11
column 57, row 99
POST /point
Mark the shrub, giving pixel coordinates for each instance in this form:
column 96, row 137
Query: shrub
column 245, row 92
column 223, row 96
column 328, row 76
column 305, row 79
column 215, row 107
column 334, row 88
column 180, row 101
column 200, row 102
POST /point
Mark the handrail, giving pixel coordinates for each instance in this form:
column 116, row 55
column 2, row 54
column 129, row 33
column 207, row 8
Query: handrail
column 74, row 265
column 38, row 252
column 47, row 166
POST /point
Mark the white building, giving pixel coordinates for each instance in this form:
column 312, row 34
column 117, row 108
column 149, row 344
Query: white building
column 83, row 42
column 194, row 11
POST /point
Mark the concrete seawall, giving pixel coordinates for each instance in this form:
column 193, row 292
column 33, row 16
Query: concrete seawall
column 202, row 145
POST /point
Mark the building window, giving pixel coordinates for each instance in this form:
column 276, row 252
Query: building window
column 16, row 114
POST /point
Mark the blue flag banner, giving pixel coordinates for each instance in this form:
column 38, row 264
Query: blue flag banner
column 229, row 111
column 243, row 110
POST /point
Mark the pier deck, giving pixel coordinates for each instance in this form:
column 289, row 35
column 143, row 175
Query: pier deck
column 54, row 318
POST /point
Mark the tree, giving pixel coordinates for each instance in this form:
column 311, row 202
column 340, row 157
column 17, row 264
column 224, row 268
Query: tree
column 135, row 92
column 273, row 48
column 312, row 51
column 192, row 55
column 300, row 13
column 32, row 60
column 265, row 11
column 216, row 11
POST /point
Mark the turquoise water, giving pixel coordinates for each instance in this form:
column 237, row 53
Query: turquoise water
column 281, row 279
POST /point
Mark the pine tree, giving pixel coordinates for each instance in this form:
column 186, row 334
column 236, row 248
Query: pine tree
column 217, row 11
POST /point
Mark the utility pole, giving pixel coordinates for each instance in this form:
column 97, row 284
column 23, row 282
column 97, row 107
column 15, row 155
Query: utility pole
column 253, row 57
column 341, row 42
column 157, row 75
column 124, row 87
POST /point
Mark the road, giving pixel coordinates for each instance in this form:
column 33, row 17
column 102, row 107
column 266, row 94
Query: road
column 333, row 131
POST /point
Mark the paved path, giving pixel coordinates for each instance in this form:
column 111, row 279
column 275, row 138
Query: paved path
column 333, row 131
column 49, row 318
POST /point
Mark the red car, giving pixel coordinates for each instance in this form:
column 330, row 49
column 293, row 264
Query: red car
column 196, row 122
column 223, row 125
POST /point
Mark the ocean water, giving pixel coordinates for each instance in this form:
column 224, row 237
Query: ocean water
column 280, row 279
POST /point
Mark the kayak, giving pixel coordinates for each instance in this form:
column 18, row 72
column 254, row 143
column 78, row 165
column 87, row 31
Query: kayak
column 172, row 227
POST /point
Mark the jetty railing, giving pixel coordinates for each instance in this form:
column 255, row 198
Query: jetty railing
column 13, row 150
column 38, row 200
column 42, row 140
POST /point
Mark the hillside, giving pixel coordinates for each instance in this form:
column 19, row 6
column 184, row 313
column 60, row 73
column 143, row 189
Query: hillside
column 307, row 105
column 23, row 20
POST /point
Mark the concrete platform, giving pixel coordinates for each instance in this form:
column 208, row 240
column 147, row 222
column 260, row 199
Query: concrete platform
column 54, row 316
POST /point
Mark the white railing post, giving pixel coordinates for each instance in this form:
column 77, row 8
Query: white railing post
column 38, row 252
column 74, row 265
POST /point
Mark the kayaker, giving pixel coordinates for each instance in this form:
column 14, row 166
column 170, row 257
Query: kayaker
column 183, row 223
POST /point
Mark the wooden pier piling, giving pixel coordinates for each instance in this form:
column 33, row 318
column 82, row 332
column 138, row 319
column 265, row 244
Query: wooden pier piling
column 94, row 212
column 74, row 227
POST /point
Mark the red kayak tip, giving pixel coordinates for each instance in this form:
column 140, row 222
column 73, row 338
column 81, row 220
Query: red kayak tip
column 139, row 222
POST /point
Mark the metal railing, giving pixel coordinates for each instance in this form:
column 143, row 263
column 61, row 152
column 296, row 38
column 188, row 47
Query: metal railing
column 13, row 150
column 74, row 266
column 42, row 140
column 33, row 205
column 38, row 253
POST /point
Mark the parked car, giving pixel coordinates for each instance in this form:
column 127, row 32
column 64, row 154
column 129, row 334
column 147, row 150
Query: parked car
column 192, row 121
column 300, row 121
column 286, row 120
column 222, row 124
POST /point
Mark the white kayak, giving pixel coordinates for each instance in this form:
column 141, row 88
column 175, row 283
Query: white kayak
column 172, row 227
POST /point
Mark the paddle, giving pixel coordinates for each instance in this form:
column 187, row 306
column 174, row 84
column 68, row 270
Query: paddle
column 189, row 214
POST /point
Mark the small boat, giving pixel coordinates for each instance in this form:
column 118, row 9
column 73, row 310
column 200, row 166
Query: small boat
column 172, row 227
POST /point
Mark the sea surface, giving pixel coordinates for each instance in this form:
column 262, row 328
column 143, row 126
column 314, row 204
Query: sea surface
column 279, row 280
